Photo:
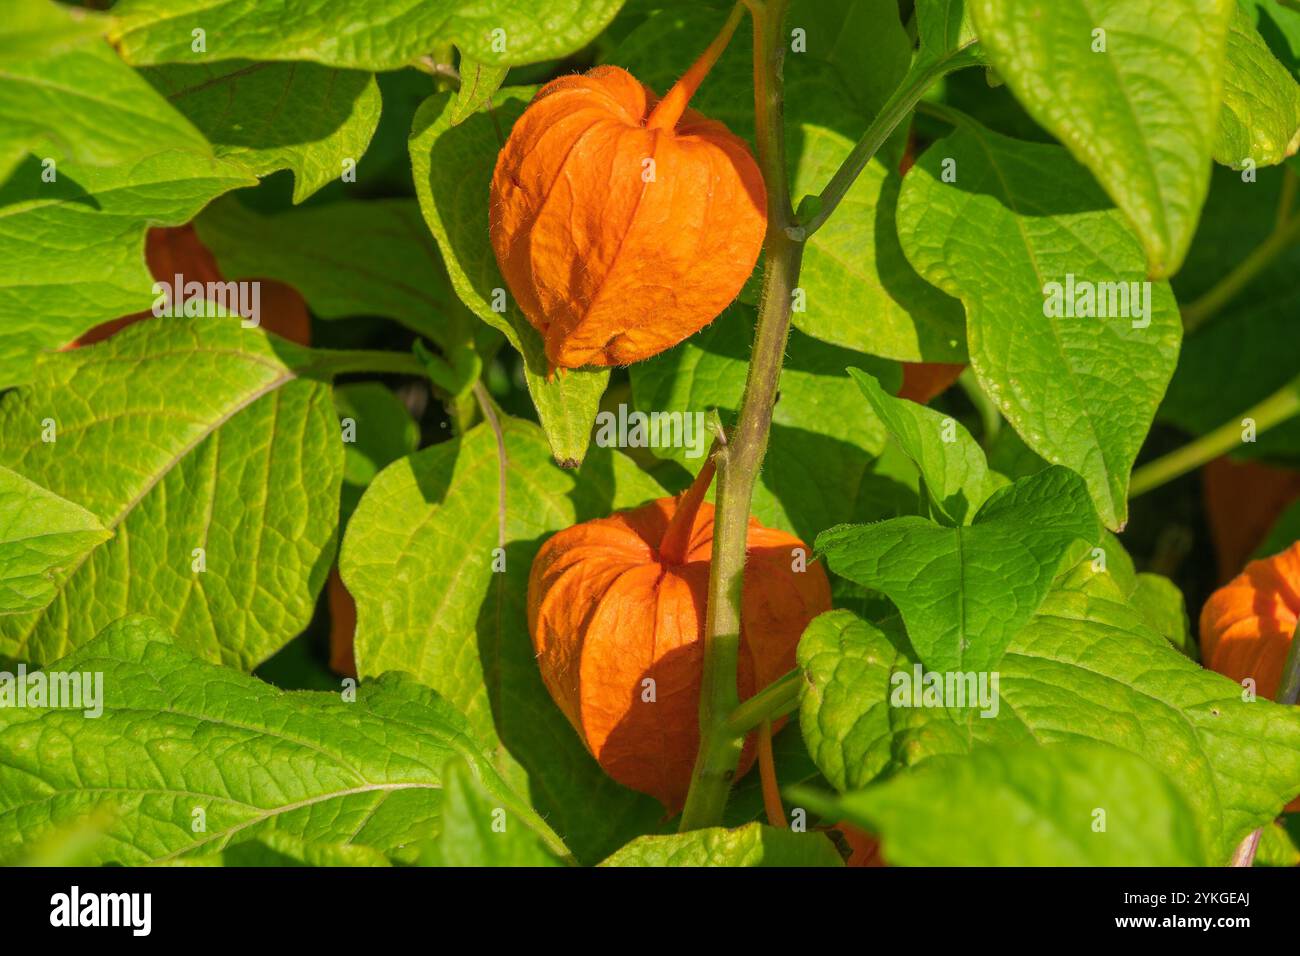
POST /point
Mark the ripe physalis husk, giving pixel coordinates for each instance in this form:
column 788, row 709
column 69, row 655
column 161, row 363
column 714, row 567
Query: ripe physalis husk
column 623, row 223
column 617, row 602
column 1247, row 625
column 173, row 251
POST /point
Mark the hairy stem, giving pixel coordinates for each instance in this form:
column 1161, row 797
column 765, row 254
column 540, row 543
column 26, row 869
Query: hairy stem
column 895, row 110
column 739, row 460
column 1277, row 408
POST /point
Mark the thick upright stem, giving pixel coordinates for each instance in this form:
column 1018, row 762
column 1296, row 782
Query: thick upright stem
column 738, row 462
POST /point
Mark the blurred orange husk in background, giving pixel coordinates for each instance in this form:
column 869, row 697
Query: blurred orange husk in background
column 1242, row 501
column 923, row 381
column 172, row 251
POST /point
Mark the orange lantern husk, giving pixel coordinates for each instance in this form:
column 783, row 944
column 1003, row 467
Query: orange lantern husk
column 616, row 611
column 622, row 222
column 1248, row 624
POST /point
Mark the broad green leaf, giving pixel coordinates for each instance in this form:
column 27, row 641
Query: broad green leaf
column 1259, row 121
column 1085, row 668
column 345, row 258
column 72, row 251
column 68, row 97
column 269, row 116
column 419, row 559
column 1137, row 103
column 1021, row 221
column 40, row 534
column 1278, row 22
column 1067, row 804
column 1238, row 356
column 945, row 33
column 964, row 592
column 1161, row 604
column 178, row 735
column 858, row 290
column 453, row 172
column 382, row 35
column 479, row 82
column 955, row 473
column 477, row 830
column 382, row 432
column 751, row 845
column 182, row 434
column 276, row 848
column 821, row 466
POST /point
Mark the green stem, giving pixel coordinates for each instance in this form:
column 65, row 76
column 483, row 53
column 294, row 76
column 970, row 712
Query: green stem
column 1277, row 408
column 1229, row 287
column 895, row 110
column 775, row 700
column 344, row 361
column 739, row 459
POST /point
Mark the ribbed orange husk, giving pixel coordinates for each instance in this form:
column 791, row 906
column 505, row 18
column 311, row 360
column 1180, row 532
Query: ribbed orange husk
column 1247, row 625
column 606, row 613
column 610, row 268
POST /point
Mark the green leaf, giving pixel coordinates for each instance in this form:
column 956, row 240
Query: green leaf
column 345, row 258
column 860, row 292
column 419, row 558
column 858, row 289
column 178, row 735
column 964, row 592
column 477, row 830
column 479, row 82
column 180, row 434
column 1069, row 804
column 72, row 251
column 750, row 845
column 1081, row 391
column 946, row 34
column 276, row 848
column 269, row 116
column 1141, row 115
column 382, row 35
column 1161, row 604
column 40, row 534
column 453, row 172
column 955, row 473
column 68, row 96
column 384, row 432
column 1260, row 117
column 821, row 465
column 1085, row 668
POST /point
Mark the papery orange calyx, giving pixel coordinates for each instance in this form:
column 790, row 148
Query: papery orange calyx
column 616, row 612
column 623, row 222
